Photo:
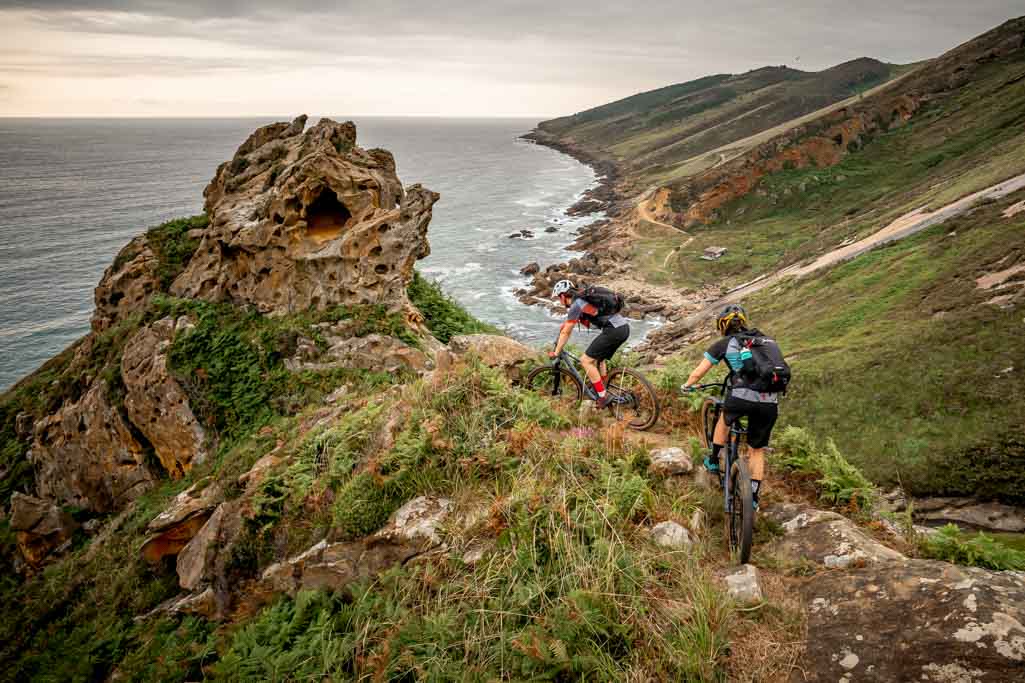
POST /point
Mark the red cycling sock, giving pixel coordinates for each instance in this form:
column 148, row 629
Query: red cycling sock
column 599, row 386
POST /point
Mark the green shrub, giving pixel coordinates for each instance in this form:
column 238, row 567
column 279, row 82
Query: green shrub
column 364, row 504
column 950, row 544
column 839, row 482
column 173, row 247
column 444, row 317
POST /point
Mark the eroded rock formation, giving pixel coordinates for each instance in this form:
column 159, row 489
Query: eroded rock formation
column 87, row 455
column 303, row 220
column 156, row 403
column 39, row 526
column 298, row 219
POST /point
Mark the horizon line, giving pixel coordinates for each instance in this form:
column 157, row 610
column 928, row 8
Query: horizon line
column 276, row 116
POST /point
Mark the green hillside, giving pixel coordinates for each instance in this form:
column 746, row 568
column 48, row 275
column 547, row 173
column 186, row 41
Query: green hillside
column 901, row 355
column 652, row 132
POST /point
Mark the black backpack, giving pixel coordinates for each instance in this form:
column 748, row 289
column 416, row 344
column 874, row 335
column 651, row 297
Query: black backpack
column 766, row 370
column 605, row 300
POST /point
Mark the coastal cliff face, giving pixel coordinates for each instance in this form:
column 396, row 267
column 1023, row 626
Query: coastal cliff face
column 299, row 220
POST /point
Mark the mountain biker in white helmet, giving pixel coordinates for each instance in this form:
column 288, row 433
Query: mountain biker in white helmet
column 600, row 307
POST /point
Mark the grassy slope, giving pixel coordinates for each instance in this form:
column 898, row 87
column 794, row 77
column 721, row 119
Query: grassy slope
column 570, row 585
column 653, row 132
column 953, row 147
column 896, row 356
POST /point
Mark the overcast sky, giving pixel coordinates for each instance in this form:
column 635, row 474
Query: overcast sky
column 455, row 58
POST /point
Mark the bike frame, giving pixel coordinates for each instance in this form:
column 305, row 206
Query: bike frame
column 732, row 447
column 567, row 359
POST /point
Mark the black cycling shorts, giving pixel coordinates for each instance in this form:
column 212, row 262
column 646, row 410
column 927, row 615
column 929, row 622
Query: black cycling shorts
column 610, row 339
column 761, row 417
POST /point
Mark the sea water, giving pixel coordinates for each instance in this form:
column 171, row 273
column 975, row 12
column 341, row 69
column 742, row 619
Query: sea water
column 74, row 191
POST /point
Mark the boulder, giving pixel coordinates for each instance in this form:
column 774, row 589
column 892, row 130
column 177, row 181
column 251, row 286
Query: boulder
column 196, row 560
column 86, row 455
column 178, row 524
column 155, row 402
column 827, row 538
column 494, row 350
column 23, row 424
column 917, row 620
column 411, row 531
column 259, row 471
column 670, row 535
column 302, row 220
column 670, row 461
column 968, row 512
column 39, row 526
column 744, row 587
column 530, row 269
column 203, row 604
column 370, row 352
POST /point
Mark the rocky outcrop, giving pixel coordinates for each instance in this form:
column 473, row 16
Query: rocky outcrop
column 412, row 530
column 40, row 527
column 303, row 220
column 87, row 455
column 828, row 538
column 179, row 523
column 156, row 403
column 346, row 350
column 127, row 285
column 875, row 615
column 196, row 559
column 915, row 620
column 494, row 350
column 969, row 512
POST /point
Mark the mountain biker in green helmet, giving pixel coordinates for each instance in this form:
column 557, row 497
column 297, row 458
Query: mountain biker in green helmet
column 599, row 307
column 761, row 408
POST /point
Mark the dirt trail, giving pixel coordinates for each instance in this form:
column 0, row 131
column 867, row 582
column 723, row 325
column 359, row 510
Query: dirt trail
column 906, row 225
column 645, row 213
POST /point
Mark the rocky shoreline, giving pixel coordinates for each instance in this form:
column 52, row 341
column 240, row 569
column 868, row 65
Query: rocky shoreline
column 604, row 244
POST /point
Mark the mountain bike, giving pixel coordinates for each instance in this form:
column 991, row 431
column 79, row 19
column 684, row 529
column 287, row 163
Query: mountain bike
column 736, row 487
column 633, row 398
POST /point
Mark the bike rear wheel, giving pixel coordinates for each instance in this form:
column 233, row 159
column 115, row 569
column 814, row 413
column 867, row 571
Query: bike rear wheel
column 740, row 521
column 633, row 399
column 557, row 384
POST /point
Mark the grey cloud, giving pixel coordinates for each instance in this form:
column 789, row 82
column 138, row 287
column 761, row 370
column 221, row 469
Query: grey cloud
column 606, row 49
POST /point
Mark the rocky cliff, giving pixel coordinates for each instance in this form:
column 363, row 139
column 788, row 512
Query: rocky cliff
column 298, row 221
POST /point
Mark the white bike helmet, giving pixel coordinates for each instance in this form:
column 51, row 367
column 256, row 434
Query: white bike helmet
column 562, row 286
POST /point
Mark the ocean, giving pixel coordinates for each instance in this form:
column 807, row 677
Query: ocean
column 74, row 191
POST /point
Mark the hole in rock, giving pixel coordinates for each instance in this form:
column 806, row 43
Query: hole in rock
column 376, row 251
column 383, row 227
column 279, row 219
column 326, row 217
column 380, row 269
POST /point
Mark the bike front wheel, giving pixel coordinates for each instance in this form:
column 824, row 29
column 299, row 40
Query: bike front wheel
column 633, row 399
column 710, row 409
column 741, row 519
column 556, row 384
